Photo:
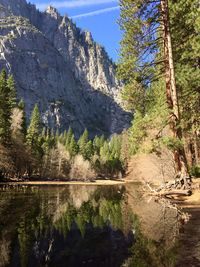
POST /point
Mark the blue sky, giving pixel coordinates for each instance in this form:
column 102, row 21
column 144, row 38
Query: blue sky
column 98, row 16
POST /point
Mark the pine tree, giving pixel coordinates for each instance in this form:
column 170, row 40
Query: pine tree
column 57, row 135
column 186, row 51
column 68, row 137
column 12, row 91
column 52, row 134
column 73, row 147
column 146, row 45
column 44, row 132
column 34, row 129
column 105, row 152
column 88, row 151
column 82, row 142
column 98, row 142
column 115, row 146
column 21, row 106
column 5, row 111
column 64, row 137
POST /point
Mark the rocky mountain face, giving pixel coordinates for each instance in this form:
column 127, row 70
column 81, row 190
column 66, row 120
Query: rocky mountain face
column 61, row 68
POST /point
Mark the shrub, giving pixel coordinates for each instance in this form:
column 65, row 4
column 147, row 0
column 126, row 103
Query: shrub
column 81, row 169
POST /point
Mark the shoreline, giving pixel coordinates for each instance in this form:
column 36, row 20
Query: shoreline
column 96, row 182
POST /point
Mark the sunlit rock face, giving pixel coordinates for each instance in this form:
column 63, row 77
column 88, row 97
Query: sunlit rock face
column 61, row 68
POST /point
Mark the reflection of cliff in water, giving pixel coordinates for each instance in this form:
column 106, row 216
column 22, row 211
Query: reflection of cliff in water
column 84, row 226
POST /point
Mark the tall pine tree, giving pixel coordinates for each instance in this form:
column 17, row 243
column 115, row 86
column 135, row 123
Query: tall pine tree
column 34, row 130
column 146, row 48
column 186, row 53
column 21, row 106
column 12, row 91
column 5, row 110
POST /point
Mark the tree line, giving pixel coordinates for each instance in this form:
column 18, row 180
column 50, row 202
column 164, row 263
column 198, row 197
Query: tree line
column 30, row 150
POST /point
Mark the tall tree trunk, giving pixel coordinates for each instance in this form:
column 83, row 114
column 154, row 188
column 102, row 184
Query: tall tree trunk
column 196, row 147
column 189, row 149
column 171, row 93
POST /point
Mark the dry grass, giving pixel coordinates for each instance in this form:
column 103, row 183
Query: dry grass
column 151, row 168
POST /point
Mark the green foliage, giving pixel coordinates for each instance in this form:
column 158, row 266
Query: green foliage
column 110, row 161
column 85, row 146
column 137, row 133
column 98, row 142
column 186, row 48
column 88, row 151
column 45, row 151
column 73, row 147
column 105, row 152
column 115, row 146
column 12, row 91
column 57, row 135
column 83, row 141
column 33, row 138
column 34, row 126
column 70, row 143
column 147, row 126
column 138, row 22
column 172, row 143
column 101, row 212
column 141, row 69
column 195, row 171
column 133, row 95
column 68, row 137
column 6, row 101
column 21, row 106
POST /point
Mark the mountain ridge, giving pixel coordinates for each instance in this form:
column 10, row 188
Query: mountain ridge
column 61, row 68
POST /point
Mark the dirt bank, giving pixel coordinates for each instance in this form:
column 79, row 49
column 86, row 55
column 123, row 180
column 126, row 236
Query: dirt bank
column 189, row 241
column 151, row 168
column 193, row 200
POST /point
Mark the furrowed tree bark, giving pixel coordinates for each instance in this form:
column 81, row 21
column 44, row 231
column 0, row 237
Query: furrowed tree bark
column 171, row 93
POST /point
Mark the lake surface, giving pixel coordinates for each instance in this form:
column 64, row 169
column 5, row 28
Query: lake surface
column 77, row 225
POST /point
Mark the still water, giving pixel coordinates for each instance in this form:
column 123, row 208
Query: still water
column 74, row 225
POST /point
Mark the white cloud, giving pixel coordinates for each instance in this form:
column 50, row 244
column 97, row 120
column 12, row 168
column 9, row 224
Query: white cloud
column 97, row 12
column 73, row 3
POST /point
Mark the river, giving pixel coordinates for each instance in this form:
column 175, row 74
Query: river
column 86, row 225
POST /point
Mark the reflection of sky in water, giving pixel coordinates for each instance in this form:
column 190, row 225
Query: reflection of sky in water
column 84, row 226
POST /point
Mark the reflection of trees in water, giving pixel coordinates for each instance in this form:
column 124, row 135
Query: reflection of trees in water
column 83, row 225
column 156, row 224
column 50, row 226
column 148, row 252
column 102, row 208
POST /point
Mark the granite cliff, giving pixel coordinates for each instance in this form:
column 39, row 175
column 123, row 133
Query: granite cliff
column 61, row 68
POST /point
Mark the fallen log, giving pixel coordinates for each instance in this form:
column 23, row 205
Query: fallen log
column 175, row 184
column 167, row 191
column 177, row 192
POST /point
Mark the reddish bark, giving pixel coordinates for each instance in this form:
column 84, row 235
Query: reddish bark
column 171, row 92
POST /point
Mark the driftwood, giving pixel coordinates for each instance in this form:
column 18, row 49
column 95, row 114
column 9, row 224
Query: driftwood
column 170, row 189
column 175, row 192
column 176, row 184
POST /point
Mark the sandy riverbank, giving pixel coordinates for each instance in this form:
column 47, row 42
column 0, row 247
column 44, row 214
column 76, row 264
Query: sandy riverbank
column 192, row 201
column 97, row 182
